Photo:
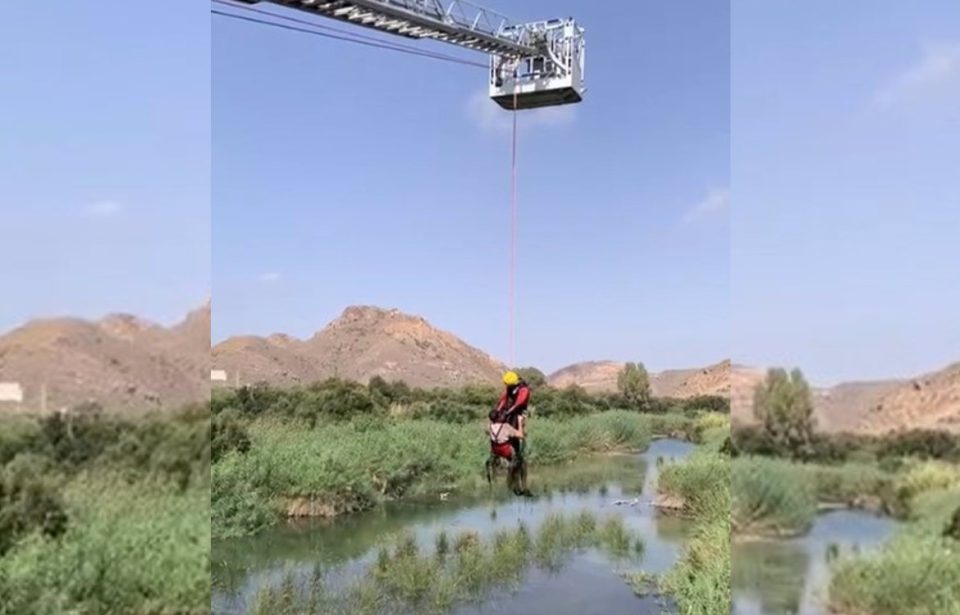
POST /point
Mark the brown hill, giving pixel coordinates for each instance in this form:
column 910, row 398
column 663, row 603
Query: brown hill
column 844, row 406
column 929, row 402
column 710, row 380
column 601, row 377
column 594, row 376
column 121, row 362
column 362, row 343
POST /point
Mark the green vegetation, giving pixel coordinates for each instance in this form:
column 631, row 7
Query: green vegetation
column 633, row 382
column 856, row 484
column 701, row 482
column 886, row 450
column 462, row 569
column 771, row 497
column 918, row 479
column 784, row 406
column 338, row 400
column 775, row 497
column 700, row 581
column 99, row 514
column 917, row 573
column 337, row 447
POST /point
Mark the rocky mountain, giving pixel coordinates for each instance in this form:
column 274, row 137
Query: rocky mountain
column 121, row 361
column 363, row 342
column 931, row 401
column 601, row 376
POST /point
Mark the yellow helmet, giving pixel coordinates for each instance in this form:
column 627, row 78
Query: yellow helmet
column 511, row 378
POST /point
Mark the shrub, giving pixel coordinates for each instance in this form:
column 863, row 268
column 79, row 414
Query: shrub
column 923, row 443
column 924, row 477
column 28, row 502
column 784, row 406
column 771, row 497
column 633, row 382
column 228, row 434
column 702, row 482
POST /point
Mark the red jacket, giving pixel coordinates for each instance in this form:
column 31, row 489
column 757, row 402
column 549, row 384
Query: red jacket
column 516, row 403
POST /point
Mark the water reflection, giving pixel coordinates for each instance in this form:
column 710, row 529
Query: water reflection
column 772, row 575
column 791, row 577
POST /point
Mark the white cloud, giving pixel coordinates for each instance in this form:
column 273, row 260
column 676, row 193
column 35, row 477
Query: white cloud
column 490, row 117
column 717, row 200
column 270, row 277
column 935, row 73
column 103, row 209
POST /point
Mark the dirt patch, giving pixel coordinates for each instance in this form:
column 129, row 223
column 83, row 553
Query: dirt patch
column 308, row 507
column 669, row 503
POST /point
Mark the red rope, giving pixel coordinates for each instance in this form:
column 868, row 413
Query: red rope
column 513, row 231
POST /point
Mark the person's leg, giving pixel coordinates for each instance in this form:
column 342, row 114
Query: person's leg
column 523, row 478
column 517, row 445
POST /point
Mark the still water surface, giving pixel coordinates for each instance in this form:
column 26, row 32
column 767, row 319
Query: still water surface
column 588, row 584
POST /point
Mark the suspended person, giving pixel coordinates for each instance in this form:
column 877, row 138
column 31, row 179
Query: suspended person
column 508, row 429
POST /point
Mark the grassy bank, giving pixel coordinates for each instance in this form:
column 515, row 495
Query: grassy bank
column 408, row 578
column 917, row 573
column 341, row 467
column 700, row 581
column 771, row 497
column 129, row 548
column 103, row 515
column 776, row 497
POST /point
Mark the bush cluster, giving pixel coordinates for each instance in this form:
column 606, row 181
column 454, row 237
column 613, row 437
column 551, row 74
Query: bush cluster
column 38, row 455
column 339, row 400
column 843, row 447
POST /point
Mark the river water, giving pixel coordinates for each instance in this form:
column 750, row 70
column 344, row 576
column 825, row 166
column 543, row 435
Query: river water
column 791, row 577
column 587, row 584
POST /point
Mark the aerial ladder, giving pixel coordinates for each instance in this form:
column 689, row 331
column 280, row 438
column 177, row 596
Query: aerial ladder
column 532, row 65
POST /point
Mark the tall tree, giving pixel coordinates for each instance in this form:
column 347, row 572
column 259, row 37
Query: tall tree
column 633, row 382
column 783, row 404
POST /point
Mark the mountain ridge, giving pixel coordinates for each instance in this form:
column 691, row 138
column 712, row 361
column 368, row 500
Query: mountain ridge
column 120, row 361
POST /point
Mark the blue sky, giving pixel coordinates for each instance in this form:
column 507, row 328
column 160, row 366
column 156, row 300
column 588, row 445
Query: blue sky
column 104, row 159
column 347, row 175
column 846, row 186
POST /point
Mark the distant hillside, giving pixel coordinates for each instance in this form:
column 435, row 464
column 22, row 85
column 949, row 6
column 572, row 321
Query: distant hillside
column 929, row 402
column 362, row 343
column 710, row 380
column 121, row 361
column 601, row 376
column 593, row 376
